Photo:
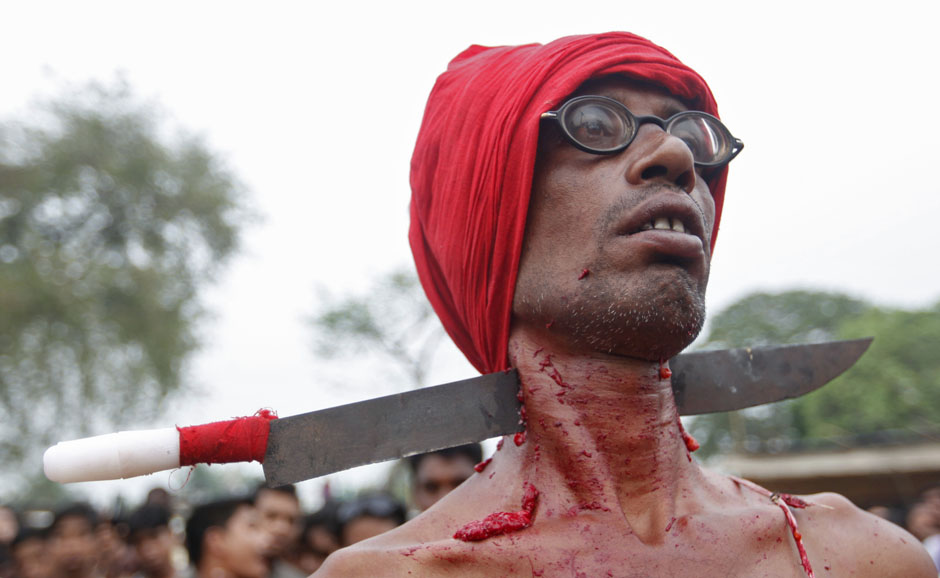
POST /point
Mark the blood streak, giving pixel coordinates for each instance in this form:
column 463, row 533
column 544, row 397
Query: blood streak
column 669, row 526
column 785, row 502
column 664, row 372
column 482, row 465
column 584, row 273
column 519, row 438
column 499, row 523
column 690, row 443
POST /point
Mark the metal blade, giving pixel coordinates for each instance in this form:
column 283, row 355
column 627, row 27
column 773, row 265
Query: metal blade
column 314, row 444
column 725, row 380
column 322, row 442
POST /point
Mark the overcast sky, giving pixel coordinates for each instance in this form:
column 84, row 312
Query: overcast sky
column 317, row 106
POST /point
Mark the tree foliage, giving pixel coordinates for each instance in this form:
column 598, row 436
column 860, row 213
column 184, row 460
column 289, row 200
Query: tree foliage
column 108, row 228
column 393, row 319
column 893, row 390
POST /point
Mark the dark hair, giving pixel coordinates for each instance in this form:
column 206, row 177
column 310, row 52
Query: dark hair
column 287, row 490
column 211, row 515
column 376, row 505
column 76, row 510
column 147, row 517
column 325, row 517
column 28, row 533
column 472, row 451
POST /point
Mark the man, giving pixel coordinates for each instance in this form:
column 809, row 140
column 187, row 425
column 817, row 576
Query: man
column 153, row 542
column 368, row 515
column 30, row 556
column 559, row 229
column 279, row 511
column 225, row 540
column 436, row 474
column 923, row 521
column 71, row 543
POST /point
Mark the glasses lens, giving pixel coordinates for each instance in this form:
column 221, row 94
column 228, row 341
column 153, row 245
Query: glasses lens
column 708, row 139
column 597, row 124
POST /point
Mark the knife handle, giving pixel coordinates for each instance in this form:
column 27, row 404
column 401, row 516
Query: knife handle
column 113, row 456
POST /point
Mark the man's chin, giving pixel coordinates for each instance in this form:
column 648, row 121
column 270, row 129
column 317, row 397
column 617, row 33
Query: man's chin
column 655, row 332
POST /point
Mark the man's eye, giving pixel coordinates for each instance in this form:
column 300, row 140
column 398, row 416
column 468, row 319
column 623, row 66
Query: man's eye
column 596, row 126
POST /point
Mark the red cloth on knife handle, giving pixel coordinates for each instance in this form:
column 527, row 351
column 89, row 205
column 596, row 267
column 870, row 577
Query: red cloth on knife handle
column 242, row 439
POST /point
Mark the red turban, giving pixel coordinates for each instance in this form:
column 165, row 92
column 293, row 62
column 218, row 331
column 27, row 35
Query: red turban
column 471, row 172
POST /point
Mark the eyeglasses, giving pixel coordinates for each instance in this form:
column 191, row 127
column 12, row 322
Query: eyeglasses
column 603, row 126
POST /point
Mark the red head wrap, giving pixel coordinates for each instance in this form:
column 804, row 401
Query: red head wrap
column 471, row 172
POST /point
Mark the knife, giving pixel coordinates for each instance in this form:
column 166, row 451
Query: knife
column 317, row 443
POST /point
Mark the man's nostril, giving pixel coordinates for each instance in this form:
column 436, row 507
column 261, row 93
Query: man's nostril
column 653, row 172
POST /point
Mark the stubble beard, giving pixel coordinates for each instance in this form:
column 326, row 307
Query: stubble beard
column 653, row 320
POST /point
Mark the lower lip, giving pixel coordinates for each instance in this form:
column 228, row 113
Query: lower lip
column 668, row 242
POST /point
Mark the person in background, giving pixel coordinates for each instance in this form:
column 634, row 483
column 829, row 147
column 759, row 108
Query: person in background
column 435, row 474
column 923, row 521
column 115, row 557
column 9, row 525
column 225, row 540
column 320, row 537
column 153, row 542
column 367, row 516
column 30, row 557
column 280, row 515
column 72, row 546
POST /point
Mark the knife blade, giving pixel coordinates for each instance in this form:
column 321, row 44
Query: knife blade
column 317, row 443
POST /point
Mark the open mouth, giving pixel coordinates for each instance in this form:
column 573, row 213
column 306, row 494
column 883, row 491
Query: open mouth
column 665, row 214
column 665, row 224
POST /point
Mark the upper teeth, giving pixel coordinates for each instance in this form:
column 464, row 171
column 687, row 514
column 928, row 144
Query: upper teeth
column 665, row 224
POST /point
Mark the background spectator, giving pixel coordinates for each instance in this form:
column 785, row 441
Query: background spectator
column 923, row 520
column 9, row 525
column 29, row 554
column 115, row 557
column 280, row 515
column 153, row 542
column 225, row 538
column 435, row 474
column 320, row 537
column 72, row 546
column 367, row 516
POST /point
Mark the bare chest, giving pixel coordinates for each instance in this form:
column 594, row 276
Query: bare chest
column 592, row 548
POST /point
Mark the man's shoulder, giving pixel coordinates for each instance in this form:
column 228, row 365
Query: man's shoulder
column 389, row 554
column 845, row 540
column 355, row 561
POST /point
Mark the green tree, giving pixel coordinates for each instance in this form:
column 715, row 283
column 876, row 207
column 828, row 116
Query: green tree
column 393, row 320
column 108, row 229
column 894, row 389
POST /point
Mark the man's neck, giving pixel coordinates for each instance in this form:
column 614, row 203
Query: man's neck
column 602, row 434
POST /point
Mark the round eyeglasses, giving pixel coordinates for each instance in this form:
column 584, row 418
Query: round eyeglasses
column 603, row 126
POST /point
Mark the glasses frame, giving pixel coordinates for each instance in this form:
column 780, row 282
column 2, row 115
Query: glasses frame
column 736, row 144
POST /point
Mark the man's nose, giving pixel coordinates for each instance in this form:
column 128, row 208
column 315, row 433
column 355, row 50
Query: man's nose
column 658, row 156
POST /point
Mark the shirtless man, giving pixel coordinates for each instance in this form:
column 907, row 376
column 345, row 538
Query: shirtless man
column 605, row 280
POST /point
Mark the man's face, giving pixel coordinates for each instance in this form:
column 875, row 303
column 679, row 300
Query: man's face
column 437, row 476
column 594, row 276
column 154, row 548
column 31, row 559
column 72, row 547
column 240, row 544
column 280, row 519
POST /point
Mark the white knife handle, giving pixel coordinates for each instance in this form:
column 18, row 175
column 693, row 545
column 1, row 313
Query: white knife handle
column 113, row 456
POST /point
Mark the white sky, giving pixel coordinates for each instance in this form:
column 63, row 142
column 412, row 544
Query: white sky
column 316, row 107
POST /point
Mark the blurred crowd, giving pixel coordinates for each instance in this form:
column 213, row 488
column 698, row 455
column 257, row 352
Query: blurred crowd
column 263, row 535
